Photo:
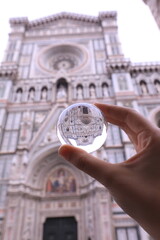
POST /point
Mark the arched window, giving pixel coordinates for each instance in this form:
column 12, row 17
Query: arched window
column 18, row 96
column 44, row 93
column 105, row 92
column 79, row 91
column 144, row 88
column 92, row 90
column 31, row 95
column 157, row 85
column 62, row 88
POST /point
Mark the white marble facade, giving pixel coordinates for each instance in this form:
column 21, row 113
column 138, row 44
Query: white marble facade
column 49, row 64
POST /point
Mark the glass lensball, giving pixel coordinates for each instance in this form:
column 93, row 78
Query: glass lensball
column 82, row 125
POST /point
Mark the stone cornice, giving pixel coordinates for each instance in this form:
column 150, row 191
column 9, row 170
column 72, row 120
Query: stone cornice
column 64, row 15
column 118, row 65
column 107, row 15
column 19, row 21
column 8, row 71
column 145, row 67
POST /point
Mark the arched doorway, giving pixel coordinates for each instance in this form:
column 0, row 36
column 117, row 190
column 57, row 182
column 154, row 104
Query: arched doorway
column 60, row 197
column 60, row 228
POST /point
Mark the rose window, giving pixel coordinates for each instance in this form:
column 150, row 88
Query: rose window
column 62, row 57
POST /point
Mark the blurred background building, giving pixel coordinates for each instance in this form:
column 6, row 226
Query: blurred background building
column 154, row 5
column 49, row 64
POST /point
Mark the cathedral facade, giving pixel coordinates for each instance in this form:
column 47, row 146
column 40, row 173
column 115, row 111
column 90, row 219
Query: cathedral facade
column 49, row 64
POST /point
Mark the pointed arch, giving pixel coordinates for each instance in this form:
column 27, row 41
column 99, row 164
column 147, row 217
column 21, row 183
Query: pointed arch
column 79, row 91
column 46, row 164
column 62, row 81
column 19, row 90
column 18, row 96
column 144, row 87
column 157, row 85
column 105, row 89
column 92, row 90
column 44, row 93
column 31, row 94
column 62, row 88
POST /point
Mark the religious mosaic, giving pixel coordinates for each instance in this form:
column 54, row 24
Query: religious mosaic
column 61, row 181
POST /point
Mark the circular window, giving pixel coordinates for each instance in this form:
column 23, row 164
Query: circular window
column 62, row 57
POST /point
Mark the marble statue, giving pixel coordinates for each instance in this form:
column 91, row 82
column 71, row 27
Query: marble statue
column 62, row 93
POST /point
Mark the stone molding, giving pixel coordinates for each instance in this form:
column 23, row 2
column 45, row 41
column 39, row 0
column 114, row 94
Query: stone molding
column 10, row 71
column 63, row 15
column 145, row 67
column 118, row 65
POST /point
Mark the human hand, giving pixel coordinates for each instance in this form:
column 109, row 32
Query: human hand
column 135, row 183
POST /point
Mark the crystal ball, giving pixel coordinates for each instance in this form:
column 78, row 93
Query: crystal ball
column 82, row 125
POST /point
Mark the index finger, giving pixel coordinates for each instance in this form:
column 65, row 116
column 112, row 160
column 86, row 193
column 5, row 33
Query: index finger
column 126, row 118
column 103, row 171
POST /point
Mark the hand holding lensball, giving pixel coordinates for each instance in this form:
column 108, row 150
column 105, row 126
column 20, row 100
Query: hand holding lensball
column 135, row 183
column 82, row 125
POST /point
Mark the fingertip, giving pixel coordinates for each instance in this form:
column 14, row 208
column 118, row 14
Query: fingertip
column 67, row 151
column 97, row 104
column 63, row 151
column 102, row 106
column 96, row 168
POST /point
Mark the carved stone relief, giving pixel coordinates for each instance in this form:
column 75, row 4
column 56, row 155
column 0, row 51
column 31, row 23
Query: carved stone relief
column 39, row 119
column 26, row 128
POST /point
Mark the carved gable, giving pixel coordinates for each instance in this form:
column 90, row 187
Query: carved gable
column 63, row 23
column 64, row 20
column 46, row 133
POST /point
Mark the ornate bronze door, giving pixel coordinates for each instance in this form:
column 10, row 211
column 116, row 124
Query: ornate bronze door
column 63, row 228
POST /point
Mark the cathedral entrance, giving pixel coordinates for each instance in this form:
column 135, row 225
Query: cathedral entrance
column 61, row 228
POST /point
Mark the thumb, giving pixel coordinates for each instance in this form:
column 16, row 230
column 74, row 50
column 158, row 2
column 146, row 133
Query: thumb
column 102, row 171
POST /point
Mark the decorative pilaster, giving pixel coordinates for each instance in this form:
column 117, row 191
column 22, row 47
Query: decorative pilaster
column 109, row 27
